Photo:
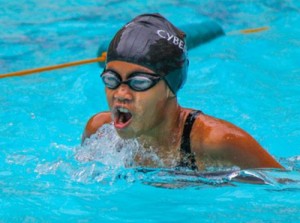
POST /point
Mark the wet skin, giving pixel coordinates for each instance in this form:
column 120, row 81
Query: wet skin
column 156, row 120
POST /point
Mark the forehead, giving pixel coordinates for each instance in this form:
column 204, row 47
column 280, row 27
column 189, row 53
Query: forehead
column 126, row 68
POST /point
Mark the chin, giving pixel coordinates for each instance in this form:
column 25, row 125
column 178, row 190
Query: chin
column 126, row 134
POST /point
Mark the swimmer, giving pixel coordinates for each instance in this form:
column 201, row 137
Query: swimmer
column 146, row 65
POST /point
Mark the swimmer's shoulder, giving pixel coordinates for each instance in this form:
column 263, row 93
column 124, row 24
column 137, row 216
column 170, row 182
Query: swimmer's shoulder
column 208, row 130
column 225, row 141
column 95, row 122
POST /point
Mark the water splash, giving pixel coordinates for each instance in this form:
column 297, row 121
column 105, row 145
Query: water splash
column 106, row 147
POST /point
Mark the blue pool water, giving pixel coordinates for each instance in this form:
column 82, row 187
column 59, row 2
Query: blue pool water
column 251, row 80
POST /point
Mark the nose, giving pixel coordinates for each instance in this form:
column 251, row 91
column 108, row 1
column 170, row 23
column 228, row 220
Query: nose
column 123, row 93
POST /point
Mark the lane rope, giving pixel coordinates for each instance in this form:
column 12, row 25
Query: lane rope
column 249, row 31
column 102, row 58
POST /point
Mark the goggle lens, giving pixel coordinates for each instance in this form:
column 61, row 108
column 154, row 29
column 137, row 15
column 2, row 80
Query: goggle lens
column 137, row 81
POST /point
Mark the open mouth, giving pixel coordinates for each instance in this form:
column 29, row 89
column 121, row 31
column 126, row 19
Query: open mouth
column 122, row 117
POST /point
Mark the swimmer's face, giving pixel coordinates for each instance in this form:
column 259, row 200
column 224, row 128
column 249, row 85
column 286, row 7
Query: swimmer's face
column 135, row 112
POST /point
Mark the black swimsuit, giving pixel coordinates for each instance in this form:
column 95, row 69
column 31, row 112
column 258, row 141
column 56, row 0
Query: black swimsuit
column 187, row 157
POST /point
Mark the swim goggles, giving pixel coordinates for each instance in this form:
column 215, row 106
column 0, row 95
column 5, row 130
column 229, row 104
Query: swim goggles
column 137, row 81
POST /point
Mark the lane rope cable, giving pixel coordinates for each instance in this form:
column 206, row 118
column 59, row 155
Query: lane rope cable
column 55, row 67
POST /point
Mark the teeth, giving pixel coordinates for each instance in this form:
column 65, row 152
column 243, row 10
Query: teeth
column 124, row 110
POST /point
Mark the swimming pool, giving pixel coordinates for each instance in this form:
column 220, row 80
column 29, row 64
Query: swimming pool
column 250, row 80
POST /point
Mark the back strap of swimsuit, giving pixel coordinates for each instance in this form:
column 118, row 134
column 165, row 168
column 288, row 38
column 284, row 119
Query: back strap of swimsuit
column 187, row 157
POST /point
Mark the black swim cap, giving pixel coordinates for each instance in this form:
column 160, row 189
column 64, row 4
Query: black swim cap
column 153, row 42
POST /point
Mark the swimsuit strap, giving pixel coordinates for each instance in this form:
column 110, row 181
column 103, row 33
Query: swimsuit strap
column 187, row 157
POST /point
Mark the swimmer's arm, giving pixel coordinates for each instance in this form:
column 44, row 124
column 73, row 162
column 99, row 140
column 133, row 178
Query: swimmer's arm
column 225, row 142
column 244, row 151
column 95, row 123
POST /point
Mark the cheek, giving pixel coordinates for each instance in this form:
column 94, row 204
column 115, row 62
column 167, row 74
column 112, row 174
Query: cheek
column 151, row 105
column 109, row 97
